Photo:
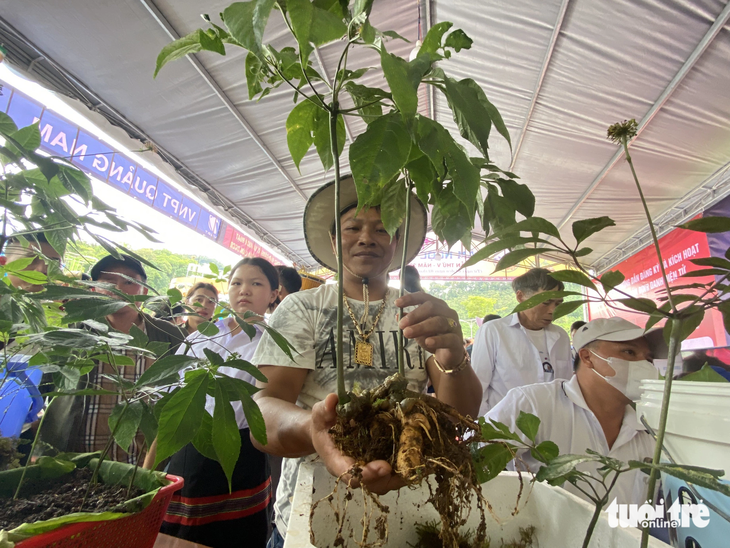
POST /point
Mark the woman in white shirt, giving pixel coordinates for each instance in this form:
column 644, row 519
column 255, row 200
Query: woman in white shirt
column 204, row 511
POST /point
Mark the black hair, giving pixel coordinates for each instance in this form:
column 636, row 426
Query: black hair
column 106, row 263
column 536, row 280
column 40, row 237
column 577, row 325
column 491, row 317
column 201, row 285
column 272, row 275
column 289, row 278
column 696, row 360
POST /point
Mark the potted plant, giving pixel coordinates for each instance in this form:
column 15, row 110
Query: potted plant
column 66, row 342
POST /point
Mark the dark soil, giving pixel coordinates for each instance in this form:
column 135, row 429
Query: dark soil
column 45, row 499
column 419, row 437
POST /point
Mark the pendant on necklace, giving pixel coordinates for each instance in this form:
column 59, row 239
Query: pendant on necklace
column 363, row 353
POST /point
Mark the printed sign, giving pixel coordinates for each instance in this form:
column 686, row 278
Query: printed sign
column 62, row 138
column 239, row 243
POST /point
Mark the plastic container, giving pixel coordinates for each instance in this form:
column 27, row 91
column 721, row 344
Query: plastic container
column 698, row 423
column 560, row 518
column 717, row 530
column 20, row 400
column 138, row 530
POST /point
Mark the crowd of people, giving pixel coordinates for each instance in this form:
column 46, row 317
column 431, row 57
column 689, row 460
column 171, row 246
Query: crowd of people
column 582, row 391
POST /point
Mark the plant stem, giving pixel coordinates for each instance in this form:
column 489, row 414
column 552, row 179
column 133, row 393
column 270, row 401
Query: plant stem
column 402, row 291
column 592, row 524
column 673, row 343
column 339, row 355
column 32, row 447
column 654, row 237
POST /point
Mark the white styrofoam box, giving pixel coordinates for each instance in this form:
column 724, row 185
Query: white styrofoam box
column 698, row 423
column 560, row 518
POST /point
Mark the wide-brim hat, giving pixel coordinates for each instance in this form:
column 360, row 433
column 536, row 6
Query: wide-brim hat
column 618, row 330
column 319, row 215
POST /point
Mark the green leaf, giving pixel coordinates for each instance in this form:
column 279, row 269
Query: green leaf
column 209, row 329
column 164, row 369
column 492, row 459
column 495, row 247
column 611, row 279
column 249, row 329
column 254, row 75
column 705, row 374
column 717, row 262
column 7, row 125
column 566, row 308
column 191, row 43
column 708, row 224
column 700, row 477
column 322, row 140
column 515, row 257
column 279, row 339
column 528, row 425
column 442, row 150
column 465, row 99
column 299, row 129
column 203, row 440
column 224, row 433
column 545, row 451
column 692, row 317
column 246, row 22
column 495, row 430
column 148, row 424
column 214, row 357
column 175, row 295
column 403, row 81
column 458, row 40
column 248, row 367
column 83, row 309
column 541, row 297
column 362, row 6
column 254, row 418
column 313, row 25
column 31, row 276
column 126, row 423
column 393, row 205
column 587, row 227
column 28, row 137
column 640, row 304
column 363, row 96
column 560, row 467
column 181, row 415
column 519, row 196
column 533, row 224
column 434, row 37
column 704, row 272
column 378, row 154
column 573, row 277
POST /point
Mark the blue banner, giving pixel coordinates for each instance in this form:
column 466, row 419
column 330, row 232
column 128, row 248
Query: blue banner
column 62, row 138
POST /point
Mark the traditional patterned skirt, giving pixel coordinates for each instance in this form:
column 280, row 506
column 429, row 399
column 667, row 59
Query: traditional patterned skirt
column 205, row 512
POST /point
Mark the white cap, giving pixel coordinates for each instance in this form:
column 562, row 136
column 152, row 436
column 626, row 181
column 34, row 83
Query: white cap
column 617, row 329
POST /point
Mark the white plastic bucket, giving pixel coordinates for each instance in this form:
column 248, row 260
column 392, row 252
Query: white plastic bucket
column 560, row 518
column 698, row 423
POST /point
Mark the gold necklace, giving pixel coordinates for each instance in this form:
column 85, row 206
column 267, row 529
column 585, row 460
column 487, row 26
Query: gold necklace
column 363, row 348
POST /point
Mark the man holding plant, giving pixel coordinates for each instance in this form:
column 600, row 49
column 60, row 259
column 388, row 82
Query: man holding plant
column 593, row 410
column 298, row 402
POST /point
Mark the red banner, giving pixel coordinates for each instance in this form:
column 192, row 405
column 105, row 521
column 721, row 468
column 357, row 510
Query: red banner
column 239, row 243
column 644, row 279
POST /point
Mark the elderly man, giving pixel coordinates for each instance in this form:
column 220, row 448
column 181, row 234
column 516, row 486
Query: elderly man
column 522, row 348
column 298, row 403
column 593, row 409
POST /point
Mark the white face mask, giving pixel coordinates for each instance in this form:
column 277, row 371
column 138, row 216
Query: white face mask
column 629, row 375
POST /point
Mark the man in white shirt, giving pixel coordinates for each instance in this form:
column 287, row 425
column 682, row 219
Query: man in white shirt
column 593, row 409
column 522, row 348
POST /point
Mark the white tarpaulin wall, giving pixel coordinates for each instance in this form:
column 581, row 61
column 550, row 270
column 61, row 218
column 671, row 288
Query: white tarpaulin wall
column 560, row 73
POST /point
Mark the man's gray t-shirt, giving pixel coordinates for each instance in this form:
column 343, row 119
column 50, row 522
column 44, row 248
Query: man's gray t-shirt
column 307, row 320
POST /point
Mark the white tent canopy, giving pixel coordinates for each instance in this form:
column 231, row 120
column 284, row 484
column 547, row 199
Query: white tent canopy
column 559, row 71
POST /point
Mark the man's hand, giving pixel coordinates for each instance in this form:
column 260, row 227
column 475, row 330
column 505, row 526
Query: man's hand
column 378, row 476
column 434, row 326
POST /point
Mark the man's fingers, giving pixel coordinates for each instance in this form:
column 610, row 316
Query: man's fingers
column 437, row 325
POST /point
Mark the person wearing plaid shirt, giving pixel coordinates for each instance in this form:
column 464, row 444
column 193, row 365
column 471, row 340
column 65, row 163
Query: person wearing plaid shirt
column 81, row 423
